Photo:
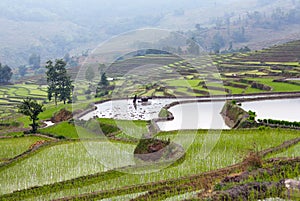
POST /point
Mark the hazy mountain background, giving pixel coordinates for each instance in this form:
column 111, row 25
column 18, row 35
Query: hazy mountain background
column 52, row 28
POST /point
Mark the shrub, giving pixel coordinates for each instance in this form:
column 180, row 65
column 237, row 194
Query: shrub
column 15, row 124
column 253, row 161
column 60, row 137
column 27, row 132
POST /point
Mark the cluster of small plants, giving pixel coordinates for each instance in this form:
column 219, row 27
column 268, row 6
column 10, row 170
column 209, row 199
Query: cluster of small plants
column 279, row 122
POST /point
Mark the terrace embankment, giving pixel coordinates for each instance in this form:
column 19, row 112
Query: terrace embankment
column 62, row 115
column 155, row 150
column 235, row 117
column 160, row 190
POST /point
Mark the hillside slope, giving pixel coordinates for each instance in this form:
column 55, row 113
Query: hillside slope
column 54, row 28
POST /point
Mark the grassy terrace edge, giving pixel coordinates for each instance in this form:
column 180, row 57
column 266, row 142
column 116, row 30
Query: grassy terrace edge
column 111, row 174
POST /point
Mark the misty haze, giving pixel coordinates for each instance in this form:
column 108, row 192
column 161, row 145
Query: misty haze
column 137, row 100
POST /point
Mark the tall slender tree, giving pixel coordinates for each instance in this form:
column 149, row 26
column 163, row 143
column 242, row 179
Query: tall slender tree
column 22, row 70
column 35, row 61
column 52, row 77
column 104, row 81
column 59, row 82
column 65, row 89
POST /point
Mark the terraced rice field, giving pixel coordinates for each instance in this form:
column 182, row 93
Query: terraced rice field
column 70, row 160
column 192, row 77
column 12, row 147
column 96, row 168
column 54, row 164
column 238, row 73
column 11, row 95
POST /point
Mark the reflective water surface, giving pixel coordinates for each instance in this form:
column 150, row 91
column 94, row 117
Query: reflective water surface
column 196, row 115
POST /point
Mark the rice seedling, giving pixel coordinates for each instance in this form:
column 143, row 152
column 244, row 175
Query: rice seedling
column 54, row 164
column 232, row 147
column 12, row 147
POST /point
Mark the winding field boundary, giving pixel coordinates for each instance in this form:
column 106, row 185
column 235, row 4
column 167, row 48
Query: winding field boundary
column 189, row 183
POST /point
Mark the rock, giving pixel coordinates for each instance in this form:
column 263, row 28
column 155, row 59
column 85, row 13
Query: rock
column 292, row 184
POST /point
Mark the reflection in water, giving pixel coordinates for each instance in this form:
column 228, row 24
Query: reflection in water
column 204, row 115
column 125, row 109
column 282, row 109
column 134, row 99
column 197, row 115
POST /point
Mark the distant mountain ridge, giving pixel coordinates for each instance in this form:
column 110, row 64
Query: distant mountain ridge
column 52, row 28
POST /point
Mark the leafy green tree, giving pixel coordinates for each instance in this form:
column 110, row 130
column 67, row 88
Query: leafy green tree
column 252, row 115
column 59, row 82
column 218, row 42
column 104, row 81
column 5, row 74
column 65, row 89
column 52, row 77
column 22, row 70
column 35, row 61
column 103, row 86
column 32, row 109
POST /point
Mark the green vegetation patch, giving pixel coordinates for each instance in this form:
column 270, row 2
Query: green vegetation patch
column 292, row 152
column 232, row 147
column 69, row 130
column 129, row 129
column 11, row 147
column 54, row 164
column 277, row 86
column 62, row 129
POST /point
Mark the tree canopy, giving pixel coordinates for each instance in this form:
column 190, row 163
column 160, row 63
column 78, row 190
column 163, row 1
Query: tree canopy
column 103, row 86
column 59, row 82
column 35, row 61
column 32, row 109
column 22, row 70
column 5, row 74
column 104, row 81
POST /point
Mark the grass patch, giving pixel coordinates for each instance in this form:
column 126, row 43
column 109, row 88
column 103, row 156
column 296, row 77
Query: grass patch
column 292, row 152
column 68, row 130
column 54, row 164
column 232, row 147
column 130, row 129
column 62, row 129
column 277, row 86
column 12, row 147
